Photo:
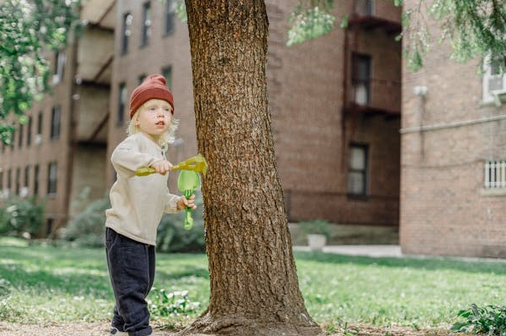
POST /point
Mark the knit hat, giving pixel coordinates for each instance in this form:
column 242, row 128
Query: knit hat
column 153, row 87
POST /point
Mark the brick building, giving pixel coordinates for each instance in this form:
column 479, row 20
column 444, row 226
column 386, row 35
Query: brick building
column 60, row 151
column 336, row 135
column 453, row 185
column 335, row 105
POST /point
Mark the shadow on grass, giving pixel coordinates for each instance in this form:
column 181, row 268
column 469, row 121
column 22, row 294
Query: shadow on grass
column 486, row 266
column 188, row 271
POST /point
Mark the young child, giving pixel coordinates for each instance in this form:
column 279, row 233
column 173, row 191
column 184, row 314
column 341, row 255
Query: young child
column 138, row 204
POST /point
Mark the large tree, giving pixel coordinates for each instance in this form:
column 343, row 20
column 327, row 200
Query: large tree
column 254, row 286
column 474, row 28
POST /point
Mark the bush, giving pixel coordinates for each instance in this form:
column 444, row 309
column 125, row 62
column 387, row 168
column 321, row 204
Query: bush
column 88, row 228
column 21, row 216
column 316, row 227
column 172, row 237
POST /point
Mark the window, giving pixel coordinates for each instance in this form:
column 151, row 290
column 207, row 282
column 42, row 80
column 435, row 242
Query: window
column 364, row 7
column 495, row 174
column 20, row 135
column 29, row 131
column 9, row 179
column 357, row 170
column 13, row 138
column 55, row 122
column 122, row 98
column 38, row 136
column 52, row 179
column 24, row 190
column 18, row 181
column 494, row 79
column 361, row 79
column 146, row 24
column 49, row 226
column 127, row 23
column 59, row 67
column 170, row 16
column 36, row 180
column 167, row 73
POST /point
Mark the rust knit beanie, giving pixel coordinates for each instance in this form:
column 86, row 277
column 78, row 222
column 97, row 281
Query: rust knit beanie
column 153, row 87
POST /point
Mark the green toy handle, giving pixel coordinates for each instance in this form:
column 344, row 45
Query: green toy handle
column 188, row 219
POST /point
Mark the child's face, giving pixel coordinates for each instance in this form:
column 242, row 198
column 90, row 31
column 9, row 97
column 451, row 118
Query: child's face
column 154, row 118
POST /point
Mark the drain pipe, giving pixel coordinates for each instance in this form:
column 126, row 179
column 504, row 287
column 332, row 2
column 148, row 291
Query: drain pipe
column 451, row 125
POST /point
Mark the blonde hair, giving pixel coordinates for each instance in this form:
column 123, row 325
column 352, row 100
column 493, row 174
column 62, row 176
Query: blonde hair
column 168, row 138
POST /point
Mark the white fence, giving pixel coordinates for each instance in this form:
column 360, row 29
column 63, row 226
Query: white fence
column 495, row 174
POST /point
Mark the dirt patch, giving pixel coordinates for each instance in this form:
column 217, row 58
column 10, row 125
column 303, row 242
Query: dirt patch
column 102, row 328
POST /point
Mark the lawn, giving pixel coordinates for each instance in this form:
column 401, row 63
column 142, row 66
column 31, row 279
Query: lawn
column 45, row 284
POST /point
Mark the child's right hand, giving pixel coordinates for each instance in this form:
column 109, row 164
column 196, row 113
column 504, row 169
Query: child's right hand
column 162, row 167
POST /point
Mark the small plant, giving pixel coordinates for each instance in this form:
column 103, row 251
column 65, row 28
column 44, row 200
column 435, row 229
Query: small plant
column 165, row 304
column 490, row 319
column 316, row 227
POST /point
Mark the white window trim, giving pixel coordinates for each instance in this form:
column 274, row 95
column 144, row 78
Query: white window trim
column 490, row 96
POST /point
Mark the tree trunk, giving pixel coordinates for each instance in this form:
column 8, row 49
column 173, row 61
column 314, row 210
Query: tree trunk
column 254, row 286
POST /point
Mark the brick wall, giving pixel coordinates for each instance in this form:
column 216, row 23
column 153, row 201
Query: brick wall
column 445, row 209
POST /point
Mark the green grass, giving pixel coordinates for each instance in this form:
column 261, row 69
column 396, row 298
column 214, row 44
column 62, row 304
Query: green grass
column 45, row 284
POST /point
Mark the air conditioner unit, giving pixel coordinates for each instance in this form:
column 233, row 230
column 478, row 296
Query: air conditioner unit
column 499, row 97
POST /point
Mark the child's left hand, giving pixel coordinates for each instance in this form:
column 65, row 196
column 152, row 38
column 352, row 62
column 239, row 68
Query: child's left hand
column 183, row 203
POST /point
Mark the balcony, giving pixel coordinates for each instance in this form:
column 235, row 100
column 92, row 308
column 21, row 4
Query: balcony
column 373, row 97
column 369, row 14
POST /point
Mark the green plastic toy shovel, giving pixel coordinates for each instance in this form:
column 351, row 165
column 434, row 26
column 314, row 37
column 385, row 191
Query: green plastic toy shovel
column 187, row 182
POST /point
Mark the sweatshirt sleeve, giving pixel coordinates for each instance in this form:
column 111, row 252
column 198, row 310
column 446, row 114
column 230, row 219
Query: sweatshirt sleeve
column 127, row 158
column 171, row 206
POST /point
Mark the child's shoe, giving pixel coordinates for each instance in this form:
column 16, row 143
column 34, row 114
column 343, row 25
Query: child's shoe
column 115, row 331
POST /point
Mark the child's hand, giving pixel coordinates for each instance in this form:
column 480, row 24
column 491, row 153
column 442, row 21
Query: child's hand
column 183, row 203
column 162, row 167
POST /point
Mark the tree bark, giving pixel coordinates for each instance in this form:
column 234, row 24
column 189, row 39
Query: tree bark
column 254, row 285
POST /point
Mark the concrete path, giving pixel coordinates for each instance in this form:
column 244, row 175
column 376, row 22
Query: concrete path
column 360, row 250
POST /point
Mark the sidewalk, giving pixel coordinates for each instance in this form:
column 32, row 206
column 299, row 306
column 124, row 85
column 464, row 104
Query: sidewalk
column 360, row 250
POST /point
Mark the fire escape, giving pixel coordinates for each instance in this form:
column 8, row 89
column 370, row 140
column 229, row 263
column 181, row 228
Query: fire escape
column 364, row 93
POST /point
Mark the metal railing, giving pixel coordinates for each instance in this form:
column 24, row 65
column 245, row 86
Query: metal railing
column 495, row 174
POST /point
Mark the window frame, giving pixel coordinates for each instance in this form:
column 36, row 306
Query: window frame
column 59, row 66
column 365, row 172
column 146, row 23
column 126, row 33
column 356, row 77
column 122, row 101
column 488, row 76
column 167, row 73
column 55, row 122
column 52, row 179
column 170, row 17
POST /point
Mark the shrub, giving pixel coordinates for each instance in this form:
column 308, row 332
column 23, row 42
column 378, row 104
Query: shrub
column 88, row 228
column 172, row 237
column 21, row 216
column 316, row 227
column 489, row 319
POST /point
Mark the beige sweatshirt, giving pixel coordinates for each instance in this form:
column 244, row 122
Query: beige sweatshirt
column 138, row 202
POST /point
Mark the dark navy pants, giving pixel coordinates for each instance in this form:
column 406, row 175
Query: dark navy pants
column 132, row 271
